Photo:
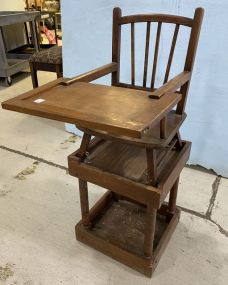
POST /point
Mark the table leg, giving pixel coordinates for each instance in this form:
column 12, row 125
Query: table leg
column 149, row 231
column 33, row 71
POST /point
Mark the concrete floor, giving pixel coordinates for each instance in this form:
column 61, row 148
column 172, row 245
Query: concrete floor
column 39, row 206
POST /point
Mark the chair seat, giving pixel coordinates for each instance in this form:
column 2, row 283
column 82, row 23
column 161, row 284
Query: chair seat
column 127, row 161
column 124, row 160
column 122, row 168
column 52, row 55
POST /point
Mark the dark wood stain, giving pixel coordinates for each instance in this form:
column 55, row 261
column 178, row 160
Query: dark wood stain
column 137, row 153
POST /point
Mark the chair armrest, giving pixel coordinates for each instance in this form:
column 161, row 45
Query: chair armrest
column 93, row 74
column 172, row 85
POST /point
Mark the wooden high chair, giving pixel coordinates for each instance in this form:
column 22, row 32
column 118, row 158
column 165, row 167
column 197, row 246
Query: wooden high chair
column 137, row 153
column 139, row 172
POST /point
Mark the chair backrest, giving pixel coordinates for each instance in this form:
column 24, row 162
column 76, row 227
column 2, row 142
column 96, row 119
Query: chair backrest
column 149, row 19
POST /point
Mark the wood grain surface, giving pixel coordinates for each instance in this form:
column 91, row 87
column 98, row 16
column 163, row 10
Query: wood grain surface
column 113, row 109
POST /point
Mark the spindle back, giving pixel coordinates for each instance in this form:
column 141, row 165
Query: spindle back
column 157, row 20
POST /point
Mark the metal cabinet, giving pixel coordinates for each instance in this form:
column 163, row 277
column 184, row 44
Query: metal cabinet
column 15, row 60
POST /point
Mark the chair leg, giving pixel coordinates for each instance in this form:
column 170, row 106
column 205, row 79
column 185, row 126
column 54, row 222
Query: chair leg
column 172, row 200
column 149, row 231
column 83, row 188
column 59, row 70
column 33, row 71
column 84, row 201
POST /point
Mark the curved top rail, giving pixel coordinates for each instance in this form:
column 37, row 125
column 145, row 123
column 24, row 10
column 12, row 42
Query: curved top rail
column 164, row 18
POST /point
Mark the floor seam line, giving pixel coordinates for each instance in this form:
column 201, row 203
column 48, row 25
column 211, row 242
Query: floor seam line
column 215, row 187
column 34, row 157
column 221, row 229
column 204, row 217
column 192, row 212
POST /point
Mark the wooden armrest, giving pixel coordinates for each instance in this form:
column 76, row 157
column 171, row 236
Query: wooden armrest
column 172, row 85
column 93, row 74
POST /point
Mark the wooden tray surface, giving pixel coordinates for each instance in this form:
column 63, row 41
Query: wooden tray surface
column 116, row 110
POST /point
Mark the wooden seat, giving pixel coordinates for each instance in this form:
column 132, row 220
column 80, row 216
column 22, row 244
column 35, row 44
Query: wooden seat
column 107, row 161
column 46, row 60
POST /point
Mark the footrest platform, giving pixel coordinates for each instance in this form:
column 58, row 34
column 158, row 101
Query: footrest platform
column 117, row 230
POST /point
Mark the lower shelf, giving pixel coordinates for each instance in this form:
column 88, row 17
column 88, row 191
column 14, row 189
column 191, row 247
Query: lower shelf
column 118, row 231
